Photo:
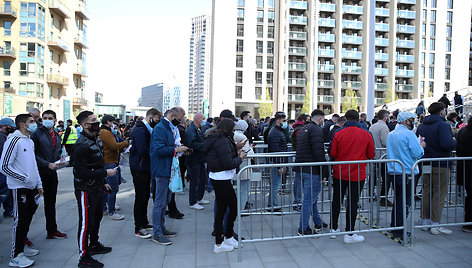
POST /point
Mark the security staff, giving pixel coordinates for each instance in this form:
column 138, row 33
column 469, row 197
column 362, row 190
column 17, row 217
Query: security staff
column 69, row 138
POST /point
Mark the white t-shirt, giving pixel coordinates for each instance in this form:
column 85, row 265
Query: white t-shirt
column 223, row 175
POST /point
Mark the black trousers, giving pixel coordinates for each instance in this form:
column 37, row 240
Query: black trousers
column 225, row 199
column 90, row 206
column 70, row 151
column 172, row 206
column 183, row 168
column 50, row 183
column 353, row 190
column 24, row 208
column 142, row 189
column 468, row 203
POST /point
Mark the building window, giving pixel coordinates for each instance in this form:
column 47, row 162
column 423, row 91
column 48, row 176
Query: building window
column 240, row 3
column 447, row 86
column 425, row 3
column 433, row 16
column 260, row 31
column 449, row 31
column 431, row 72
column 6, row 68
column 271, row 4
column 423, row 14
column 422, row 58
column 239, row 61
column 259, row 62
column 238, row 92
column 431, row 86
column 270, row 47
column 449, row 17
column 240, row 29
column 422, row 72
column 432, row 30
column 239, row 45
column 270, row 32
column 434, row 4
column 270, row 78
column 270, row 62
column 423, row 43
column 260, row 16
column 448, row 45
column 260, row 3
column 422, row 86
column 239, row 77
column 432, row 44
column 431, row 58
column 448, row 73
column 271, row 16
column 7, row 28
column 450, row 4
column 240, row 14
column 259, row 78
column 423, row 29
column 448, row 59
column 258, row 93
column 259, row 47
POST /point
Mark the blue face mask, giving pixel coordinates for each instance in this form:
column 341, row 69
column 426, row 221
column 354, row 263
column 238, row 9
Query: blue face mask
column 32, row 127
column 48, row 123
column 115, row 131
column 284, row 125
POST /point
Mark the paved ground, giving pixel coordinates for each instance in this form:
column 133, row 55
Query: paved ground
column 193, row 247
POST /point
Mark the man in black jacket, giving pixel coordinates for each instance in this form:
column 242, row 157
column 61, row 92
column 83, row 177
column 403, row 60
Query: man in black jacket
column 310, row 148
column 47, row 147
column 327, row 127
column 89, row 179
column 140, row 166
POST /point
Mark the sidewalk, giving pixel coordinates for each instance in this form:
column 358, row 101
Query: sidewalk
column 194, row 245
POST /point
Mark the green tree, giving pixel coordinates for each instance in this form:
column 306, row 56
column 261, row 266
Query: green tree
column 265, row 107
column 307, row 103
column 350, row 102
column 391, row 96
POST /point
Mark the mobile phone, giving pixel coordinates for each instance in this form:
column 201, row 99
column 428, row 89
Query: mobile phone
column 248, row 150
column 116, row 168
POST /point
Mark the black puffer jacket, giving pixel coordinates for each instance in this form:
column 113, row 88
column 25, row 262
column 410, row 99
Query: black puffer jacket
column 276, row 140
column 89, row 171
column 326, row 130
column 310, row 148
column 464, row 149
column 221, row 153
column 45, row 150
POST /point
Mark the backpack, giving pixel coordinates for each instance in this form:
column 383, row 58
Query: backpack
column 294, row 136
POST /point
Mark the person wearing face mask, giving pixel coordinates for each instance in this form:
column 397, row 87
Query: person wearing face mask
column 47, row 146
column 20, row 167
column 69, row 138
column 439, row 143
column 7, row 126
column 140, row 166
column 111, row 157
column 403, row 145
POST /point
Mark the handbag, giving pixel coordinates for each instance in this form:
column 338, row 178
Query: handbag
column 175, row 183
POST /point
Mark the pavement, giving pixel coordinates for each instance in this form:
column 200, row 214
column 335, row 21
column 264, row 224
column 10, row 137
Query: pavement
column 193, row 247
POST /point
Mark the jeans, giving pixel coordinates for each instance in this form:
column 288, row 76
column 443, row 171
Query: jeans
column 162, row 198
column 397, row 211
column 276, row 181
column 114, row 182
column 297, row 188
column 311, row 188
column 198, row 178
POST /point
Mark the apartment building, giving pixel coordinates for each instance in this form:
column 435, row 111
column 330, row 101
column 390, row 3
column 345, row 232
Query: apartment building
column 152, row 96
column 43, row 56
column 199, row 65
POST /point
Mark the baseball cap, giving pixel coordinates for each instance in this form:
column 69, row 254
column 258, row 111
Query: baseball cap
column 107, row 118
column 228, row 114
column 403, row 116
column 7, row 122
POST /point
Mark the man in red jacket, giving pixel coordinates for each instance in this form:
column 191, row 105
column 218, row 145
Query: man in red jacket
column 350, row 143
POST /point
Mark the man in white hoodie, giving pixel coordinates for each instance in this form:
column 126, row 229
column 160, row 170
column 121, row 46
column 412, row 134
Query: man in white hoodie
column 20, row 167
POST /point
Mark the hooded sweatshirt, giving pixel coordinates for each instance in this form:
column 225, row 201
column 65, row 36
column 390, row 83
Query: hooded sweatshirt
column 19, row 162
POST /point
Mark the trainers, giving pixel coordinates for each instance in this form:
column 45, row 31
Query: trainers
column 148, row 227
column 116, row 217
column 30, row 252
column 143, row 234
column 203, row 202
column 168, row 233
column 99, row 248
column 20, row 261
column 161, row 240
column 222, row 248
column 332, row 231
column 440, row 230
column 196, row 206
column 89, row 262
column 56, row 235
column 297, row 207
column 467, row 228
column 307, row 231
column 319, row 227
column 351, row 239
column 231, row 242
column 176, row 215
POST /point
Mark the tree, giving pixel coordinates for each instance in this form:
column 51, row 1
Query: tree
column 351, row 102
column 391, row 96
column 265, row 107
column 307, row 103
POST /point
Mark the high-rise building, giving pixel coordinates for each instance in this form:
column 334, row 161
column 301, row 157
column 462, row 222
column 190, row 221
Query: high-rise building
column 289, row 48
column 42, row 55
column 152, row 96
column 171, row 96
column 199, row 69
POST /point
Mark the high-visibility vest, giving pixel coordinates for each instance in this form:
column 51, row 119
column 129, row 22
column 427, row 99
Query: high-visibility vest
column 72, row 138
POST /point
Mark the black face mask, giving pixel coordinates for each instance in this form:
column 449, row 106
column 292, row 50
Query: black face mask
column 152, row 123
column 94, row 127
column 175, row 122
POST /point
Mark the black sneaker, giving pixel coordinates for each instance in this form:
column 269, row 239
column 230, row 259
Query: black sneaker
column 214, row 233
column 148, row 227
column 276, row 209
column 89, row 262
column 99, row 249
column 318, row 228
column 161, row 240
column 308, row 231
column 235, row 236
column 168, row 233
column 297, row 207
column 176, row 215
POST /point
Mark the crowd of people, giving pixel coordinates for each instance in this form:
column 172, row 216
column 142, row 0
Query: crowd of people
column 208, row 153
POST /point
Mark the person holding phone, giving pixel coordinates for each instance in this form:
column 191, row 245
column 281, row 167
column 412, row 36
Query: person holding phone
column 240, row 137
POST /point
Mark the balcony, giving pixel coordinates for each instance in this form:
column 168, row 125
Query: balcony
column 296, row 97
column 296, row 82
column 7, row 53
column 298, row 36
column 8, row 90
column 381, row 71
column 297, row 51
column 382, row 42
column 405, row 88
column 382, row 27
column 80, row 40
column 8, row 12
column 410, row 2
column 352, row 69
column 80, row 70
column 58, row 7
column 379, row 101
column 299, row 20
column 326, row 37
column 325, row 83
column 298, row 5
column 57, row 79
column 327, row 7
column 327, row 53
column 325, row 68
column 352, row 9
column 382, row 12
column 350, row 39
column 327, row 22
column 351, row 84
column 79, row 100
column 325, row 98
column 81, row 10
column 349, row 54
column 381, row 86
column 406, row 43
column 294, row 66
column 357, row 98
column 405, row 58
column 352, row 24
column 381, row 56
column 409, row 29
column 407, row 14
column 58, row 44
column 405, row 73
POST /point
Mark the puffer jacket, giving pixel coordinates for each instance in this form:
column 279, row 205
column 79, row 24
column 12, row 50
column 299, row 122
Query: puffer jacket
column 45, row 150
column 277, row 140
column 139, row 156
column 221, row 153
column 89, row 171
column 310, row 148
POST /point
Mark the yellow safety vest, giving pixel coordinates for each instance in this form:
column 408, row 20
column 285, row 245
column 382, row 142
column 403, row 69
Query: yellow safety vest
column 72, row 136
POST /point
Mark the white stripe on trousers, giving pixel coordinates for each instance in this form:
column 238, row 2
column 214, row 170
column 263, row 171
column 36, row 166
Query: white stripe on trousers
column 15, row 221
column 83, row 229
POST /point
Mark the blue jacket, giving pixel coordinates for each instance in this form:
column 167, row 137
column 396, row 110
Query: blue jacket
column 438, row 137
column 162, row 149
column 195, row 141
column 139, row 158
column 403, row 145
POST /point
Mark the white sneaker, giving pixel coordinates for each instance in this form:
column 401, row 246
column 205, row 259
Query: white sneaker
column 196, row 206
column 440, row 230
column 426, row 222
column 117, row 208
column 20, row 261
column 203, row 202
column 143, row 234
column 231, row 242
column 116, row 217
column 30, row 252
column 351, row 239
column 332, row 231
column 222, row 248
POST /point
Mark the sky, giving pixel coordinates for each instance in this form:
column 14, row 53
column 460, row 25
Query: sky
column 137, row 43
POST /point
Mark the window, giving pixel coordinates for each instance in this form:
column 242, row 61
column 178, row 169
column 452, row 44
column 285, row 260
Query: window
column 258, row 93
column 27, row 89
column 433, row 30
column 7, row 28
column 423, row 29
column 260, row 31
column 432, row 44
column 422, row 72
column 239, row 45
column 423, row 14
column 270, row 78
column 260, row 3
column 270, row 32
column 260, row 16
column 259, row 47
column 431, row 58
column 240, row 29
column 449, row 31
column 447, row 86
column 431, row 72
column 425, row 3
column 239, row 77
column 239, row 61
column 238, row 92
column 271, row 16
column 431, row 86
column 433, row 16
column 271, row 4
column 448, row 73
column 422, row 86
column 422, row 58
column 434, row 4
column 240, row 14
column 270, row 47
column 240, row 3
column 270, row 62
column 423, row 43
column 6, row 68
column 259, row 62
column 448, row 59
column 450, row 4
column 258, row 77
column 449, row 17
column 448, row 45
